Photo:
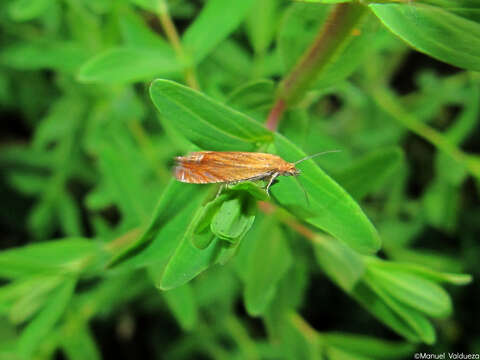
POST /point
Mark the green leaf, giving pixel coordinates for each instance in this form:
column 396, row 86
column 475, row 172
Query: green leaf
column 35, row 332
column 343, row 265
column 369, row 172
column 413, row 290
column 181, row 302
column 137, row 34
column 69, row 215
column 129, row 64
column 209, row 29
column 234, row 218
column 368, row 347
column 188, row 261
column 24, row 10
column 205, row 122
column 170, row 209
column 261, row 24
column 29, row 302
column 53, row 256
column 61, row 56
column 406, row 321
column 268, row 262
column 330, row 208
column 80, row 344
column 435, row 30
column 253, row 97
column 441, row 277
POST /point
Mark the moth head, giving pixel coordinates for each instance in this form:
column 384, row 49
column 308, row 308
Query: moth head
column 291, row 170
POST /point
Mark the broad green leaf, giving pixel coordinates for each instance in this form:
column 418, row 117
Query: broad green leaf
column 234, row 218
column 268, row 262
column 34, row 333
column 343, row 265
column 368, row 347
column 369, row 172
column 59, row 56
column 171, row 207
column 435, row 30
column 205, row 122
column 413, row 290
column 181, row 302
column 129, row 64
column 53, row 256
column 24, row 10
column 209, row 29
column 330, row 208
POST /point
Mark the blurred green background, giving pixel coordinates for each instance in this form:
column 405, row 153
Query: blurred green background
column 85, row 157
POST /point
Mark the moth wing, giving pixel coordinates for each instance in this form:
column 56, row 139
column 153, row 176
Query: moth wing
column 220, row 167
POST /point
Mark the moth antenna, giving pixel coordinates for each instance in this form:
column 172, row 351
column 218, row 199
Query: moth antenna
column 315, row 155
column 304, row 191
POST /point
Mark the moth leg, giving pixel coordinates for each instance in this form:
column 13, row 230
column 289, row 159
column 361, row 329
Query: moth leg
column 220, row 189
column 270, row 182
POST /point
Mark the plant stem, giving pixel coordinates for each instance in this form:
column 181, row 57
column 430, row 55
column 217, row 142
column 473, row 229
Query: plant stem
column 275, row 115
column 330, row 41
column 172, row 36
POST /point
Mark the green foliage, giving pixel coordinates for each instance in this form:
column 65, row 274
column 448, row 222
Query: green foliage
column 100, row 96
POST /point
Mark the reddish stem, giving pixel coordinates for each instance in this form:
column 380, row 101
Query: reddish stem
column 275, row 115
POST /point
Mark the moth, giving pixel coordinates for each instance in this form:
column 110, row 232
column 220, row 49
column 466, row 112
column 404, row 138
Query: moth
column 231, row 167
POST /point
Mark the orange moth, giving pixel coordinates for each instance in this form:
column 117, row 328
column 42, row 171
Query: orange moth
column 230, row 167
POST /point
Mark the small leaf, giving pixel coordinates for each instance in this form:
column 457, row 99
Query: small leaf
column 407, row 321
column 438, row 31
column 413, row 290
column 234, row 218
column 209, row 29
column 268, row 262
column 79, row 344
column 29, row 302
column 53, row 256
column 24, row 10
column 369, row 172
column 181, row 302
column 342, row 264
column 188, row 261
column 368, row 346
column 129, row 64
column 60, row 56
column 32, row 336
